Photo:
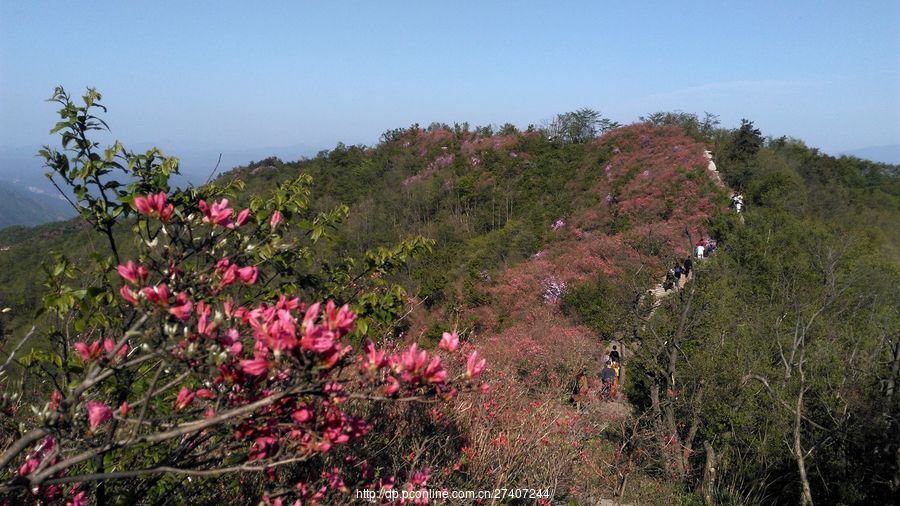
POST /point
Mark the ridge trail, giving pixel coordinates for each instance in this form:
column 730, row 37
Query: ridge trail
column 658, row 292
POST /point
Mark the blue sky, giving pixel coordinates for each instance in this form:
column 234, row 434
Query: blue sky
column 228, row 75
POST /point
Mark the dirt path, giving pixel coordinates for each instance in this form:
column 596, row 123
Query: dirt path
column 716, row 177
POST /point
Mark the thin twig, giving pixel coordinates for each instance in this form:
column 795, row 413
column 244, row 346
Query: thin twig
column 12, row 354
column 215, row 169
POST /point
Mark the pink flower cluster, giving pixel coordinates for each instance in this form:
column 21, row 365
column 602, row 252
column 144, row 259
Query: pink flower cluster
column 50, row 493
column 220, row 214
column 275, row 329
column 98, row 413
column 91, row 352
column 231, row 272
column 154, row 206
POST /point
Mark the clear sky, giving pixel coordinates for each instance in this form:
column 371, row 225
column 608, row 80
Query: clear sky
column 235, row 75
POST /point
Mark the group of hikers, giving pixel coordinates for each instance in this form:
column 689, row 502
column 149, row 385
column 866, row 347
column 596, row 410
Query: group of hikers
column 673, row 276
column 609, row 374
column 702, row 249
column 705, row 247
column 609, row 381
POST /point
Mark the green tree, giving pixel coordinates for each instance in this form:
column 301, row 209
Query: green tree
column 579, row 127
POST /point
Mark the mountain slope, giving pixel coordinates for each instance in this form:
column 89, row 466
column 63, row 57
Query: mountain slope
column 21, row 207
column 543, row 253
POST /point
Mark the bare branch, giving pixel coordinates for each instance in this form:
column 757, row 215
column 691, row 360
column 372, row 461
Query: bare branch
column 15, row 350
column 785, row 405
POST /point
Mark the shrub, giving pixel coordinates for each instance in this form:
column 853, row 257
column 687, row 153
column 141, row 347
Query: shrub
column 195, row 357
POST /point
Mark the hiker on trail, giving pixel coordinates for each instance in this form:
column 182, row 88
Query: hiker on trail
column 580, row 388
column 669, row 283
column 677, row 271
column 737, row 200
column 711, row 245
column 688, row 265
column 608, row 375
column 700, row 249
column 614, row 355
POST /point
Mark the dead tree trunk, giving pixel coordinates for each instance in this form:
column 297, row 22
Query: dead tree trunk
column 806, row 497
column 709, row 475
column 889, row 406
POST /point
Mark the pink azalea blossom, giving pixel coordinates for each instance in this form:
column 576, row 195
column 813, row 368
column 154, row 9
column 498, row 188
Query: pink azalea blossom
column 154, row 206
column 98, row 413
column 80, row 499
column 158, row 294
column 88, row 353
column 29, row 466
column 229, row 276
column 342, row 320
column 123, row 409
column 242, row 217
column 109, row 345
column 205, row 393
column 302, row 415
column 217, row 214
column 248, row 275
column 312, row 314
column 276, row 219
column 274, row 329
column 34, row 460
column 182, row 308
column 392, row 386
column 133, row 273
column 128, row 295
column 184, row 398
column 231, row 338
column 449, row 341
column 255, row 367
column 435, row 372
column 474, row 367
column 205, row 327
column 421, row 478
column 222, row 265
column 374, row 359
column 55, row 397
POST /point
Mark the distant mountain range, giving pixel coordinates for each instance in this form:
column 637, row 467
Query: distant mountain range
column 22, row 205
column 885, row 154
column 28, row 198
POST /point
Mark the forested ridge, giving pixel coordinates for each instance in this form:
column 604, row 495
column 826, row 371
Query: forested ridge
column 768, row 378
